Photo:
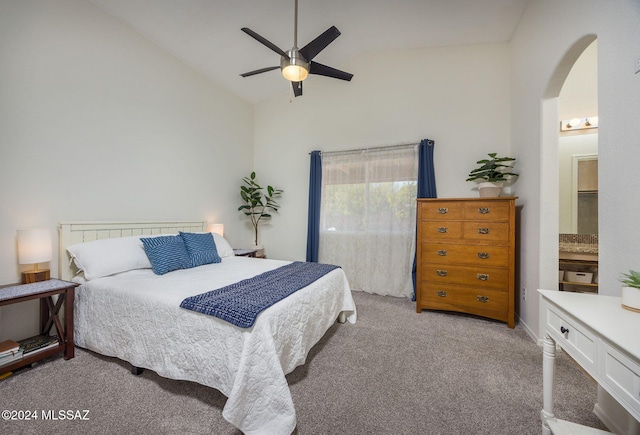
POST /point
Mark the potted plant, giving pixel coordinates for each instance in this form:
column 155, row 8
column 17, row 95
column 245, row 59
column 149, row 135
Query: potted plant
column 631, row 290
column 492, row 173
column 257, row 203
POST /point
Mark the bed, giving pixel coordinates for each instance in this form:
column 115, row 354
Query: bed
column 135, row 315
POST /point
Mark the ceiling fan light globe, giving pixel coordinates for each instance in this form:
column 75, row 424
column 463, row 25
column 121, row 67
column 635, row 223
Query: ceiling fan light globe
column 294, row 73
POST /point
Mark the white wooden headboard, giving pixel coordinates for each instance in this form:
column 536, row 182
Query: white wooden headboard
column 79, row 232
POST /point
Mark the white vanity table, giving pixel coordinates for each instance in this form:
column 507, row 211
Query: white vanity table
column 603, row 338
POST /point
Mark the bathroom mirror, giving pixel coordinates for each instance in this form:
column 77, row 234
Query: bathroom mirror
column 578, row 164
column 586, row 187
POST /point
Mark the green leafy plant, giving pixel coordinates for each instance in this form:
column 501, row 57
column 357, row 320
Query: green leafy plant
column 493, row 169
column 256, row 202
column 631, row 279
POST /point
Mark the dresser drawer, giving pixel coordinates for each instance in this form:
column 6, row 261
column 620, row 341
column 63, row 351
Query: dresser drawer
column 487, row 210
column 441, row 210
column 486, row 231
column 577, row 341
column 443, row 273
column 464, row 254
column 483, row 301
column 435, row 230
column 621, row 375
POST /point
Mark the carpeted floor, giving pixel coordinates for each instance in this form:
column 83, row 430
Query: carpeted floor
column 393, row 372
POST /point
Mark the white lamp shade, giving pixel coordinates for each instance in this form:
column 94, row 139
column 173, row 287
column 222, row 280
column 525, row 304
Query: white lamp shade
column 34, row 246
column 217, row 228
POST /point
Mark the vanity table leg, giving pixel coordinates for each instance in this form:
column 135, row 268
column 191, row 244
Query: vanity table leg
column 548, row 375
column 633, row 426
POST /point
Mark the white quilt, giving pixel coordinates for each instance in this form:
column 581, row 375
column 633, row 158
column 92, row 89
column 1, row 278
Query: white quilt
column 135, row 316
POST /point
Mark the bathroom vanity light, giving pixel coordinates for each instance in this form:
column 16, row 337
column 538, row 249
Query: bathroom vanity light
column 579, row 123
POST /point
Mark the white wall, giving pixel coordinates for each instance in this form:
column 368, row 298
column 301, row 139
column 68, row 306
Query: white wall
column 579, row 94
column 457, row 96
column 549, row 38
column 97, row 123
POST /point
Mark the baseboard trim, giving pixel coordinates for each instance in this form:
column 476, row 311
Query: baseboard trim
column 529, row 331
column 606, row 420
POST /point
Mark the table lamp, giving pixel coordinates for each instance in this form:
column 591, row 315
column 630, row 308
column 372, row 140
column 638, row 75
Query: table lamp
column 217, row 228
column 34, row 246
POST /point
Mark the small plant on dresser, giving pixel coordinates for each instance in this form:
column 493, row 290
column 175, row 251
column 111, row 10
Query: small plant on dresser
column 492, row 174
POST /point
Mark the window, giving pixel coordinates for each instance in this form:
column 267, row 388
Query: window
column 367, row 217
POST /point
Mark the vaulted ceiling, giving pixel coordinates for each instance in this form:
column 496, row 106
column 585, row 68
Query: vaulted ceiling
column 206, row 34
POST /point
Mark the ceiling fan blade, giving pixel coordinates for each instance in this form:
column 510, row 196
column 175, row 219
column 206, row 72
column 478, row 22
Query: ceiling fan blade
column 323, row 70
column 310, row 50
column 259, row 71
column 297, row 88
column 264, row 42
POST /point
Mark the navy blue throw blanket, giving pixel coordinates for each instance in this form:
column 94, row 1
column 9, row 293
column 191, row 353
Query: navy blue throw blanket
column 241, row 302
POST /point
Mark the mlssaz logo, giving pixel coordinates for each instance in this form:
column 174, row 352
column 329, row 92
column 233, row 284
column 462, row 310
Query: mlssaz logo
column 68, row 414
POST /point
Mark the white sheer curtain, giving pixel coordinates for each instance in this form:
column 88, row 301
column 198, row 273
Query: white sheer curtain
column 367, row 217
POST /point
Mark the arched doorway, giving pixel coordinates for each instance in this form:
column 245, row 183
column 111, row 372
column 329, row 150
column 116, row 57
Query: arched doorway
column 549, row 182
column 578, row 175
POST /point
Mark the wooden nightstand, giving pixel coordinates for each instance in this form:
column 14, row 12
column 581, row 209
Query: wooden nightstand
column 245, row 252
column 49, row 315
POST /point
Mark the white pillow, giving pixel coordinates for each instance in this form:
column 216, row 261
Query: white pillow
column 109, row 256
column 222, row 246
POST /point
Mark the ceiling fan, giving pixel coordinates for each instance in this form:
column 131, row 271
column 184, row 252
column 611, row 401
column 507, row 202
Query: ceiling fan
column 297, row 64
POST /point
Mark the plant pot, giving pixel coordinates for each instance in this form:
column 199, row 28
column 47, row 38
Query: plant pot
column 631, row 298
column 259, row 250
column 490, row 189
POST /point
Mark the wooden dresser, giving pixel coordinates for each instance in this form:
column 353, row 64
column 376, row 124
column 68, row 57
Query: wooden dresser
column 466, row 256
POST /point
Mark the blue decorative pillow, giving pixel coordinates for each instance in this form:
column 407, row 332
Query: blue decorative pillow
column 166, row 253
column 201, row 248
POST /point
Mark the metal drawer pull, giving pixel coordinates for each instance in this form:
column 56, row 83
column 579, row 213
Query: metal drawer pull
column 483, row 255
column 483, row 230
column 563, row 330
column 483, row 298
column 442, row 252
column 483, row 210
column 441, row 272
column 443, row 210
column 441, row 293
column 442, row 229
column 483, row 277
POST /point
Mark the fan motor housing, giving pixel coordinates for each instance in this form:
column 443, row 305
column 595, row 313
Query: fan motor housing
column 296, row 59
